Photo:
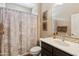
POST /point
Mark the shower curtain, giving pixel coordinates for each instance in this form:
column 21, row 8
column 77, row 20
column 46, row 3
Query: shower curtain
column 20, row 31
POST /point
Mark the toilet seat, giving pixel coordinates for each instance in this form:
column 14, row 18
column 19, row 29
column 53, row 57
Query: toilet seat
column 35, row 49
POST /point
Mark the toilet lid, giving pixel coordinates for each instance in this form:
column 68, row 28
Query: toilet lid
column 35, row 49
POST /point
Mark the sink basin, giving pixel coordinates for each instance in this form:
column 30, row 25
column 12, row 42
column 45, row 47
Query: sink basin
column 60, row 42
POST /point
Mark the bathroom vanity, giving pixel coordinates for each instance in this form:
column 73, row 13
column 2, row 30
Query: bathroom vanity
column 48, row 50
column 56, row 47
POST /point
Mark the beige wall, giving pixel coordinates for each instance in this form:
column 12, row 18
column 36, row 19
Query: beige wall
column 46, row 6
column 39, row 20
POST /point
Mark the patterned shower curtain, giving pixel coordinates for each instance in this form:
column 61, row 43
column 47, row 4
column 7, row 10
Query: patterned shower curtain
column 20, row 31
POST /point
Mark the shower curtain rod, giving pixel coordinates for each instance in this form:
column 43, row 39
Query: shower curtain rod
column 17, row 10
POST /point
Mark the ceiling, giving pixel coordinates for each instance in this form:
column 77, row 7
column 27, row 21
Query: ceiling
column 29, row 5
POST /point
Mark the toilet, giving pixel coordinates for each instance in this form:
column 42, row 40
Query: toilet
column 35, row 51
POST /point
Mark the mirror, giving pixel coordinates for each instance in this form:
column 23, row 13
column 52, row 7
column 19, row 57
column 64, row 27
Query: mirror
column 65, row 19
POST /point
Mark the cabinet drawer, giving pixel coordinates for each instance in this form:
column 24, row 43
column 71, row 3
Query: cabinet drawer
column 46, row 47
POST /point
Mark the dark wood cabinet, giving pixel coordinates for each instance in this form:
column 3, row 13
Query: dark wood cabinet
column 58, row 52
column 48, row 50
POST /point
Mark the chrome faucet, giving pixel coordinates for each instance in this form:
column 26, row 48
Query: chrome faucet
column 62, row 38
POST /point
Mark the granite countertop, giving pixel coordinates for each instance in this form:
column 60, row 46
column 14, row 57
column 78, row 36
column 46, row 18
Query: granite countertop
column 70, row 47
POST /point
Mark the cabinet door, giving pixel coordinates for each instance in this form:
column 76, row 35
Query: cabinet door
column 58, row 52
column 46, row 49
column 45, row 52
